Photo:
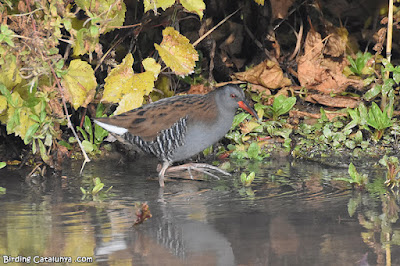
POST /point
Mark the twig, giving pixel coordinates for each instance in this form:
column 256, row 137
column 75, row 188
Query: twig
column 106, row 54
column 68, row 118
column 29, row 176
column 299, row 37
column 213, row 28
column 388, row 50
column 125, row 27
column 389, row 34
column 26, row 14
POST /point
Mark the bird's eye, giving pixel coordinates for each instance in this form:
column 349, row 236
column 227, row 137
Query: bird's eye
column 233, row 95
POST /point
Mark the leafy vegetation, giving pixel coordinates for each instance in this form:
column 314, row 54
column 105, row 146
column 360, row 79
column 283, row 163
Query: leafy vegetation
column 247, row 179
column 95, row 190
column 356, row 179
column 392, row 165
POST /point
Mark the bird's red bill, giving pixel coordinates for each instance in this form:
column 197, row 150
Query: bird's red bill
column 247, row 108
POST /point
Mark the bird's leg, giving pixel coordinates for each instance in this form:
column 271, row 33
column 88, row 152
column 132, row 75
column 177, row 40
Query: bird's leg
column 190, row 172
column 199, row 167
column 162, row 172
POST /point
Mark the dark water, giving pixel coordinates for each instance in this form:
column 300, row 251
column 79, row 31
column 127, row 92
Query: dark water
column 293, row 214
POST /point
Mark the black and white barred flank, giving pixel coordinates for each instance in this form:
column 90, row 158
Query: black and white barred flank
column 165, row 143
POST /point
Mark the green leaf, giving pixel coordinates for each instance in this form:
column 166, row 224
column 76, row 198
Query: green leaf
column 30, row 132
column 48, row 139
column 88, row 128
column 83, row 133
column 247, row 179
column 373, row 92
column 7, row 94
column 396, row 74
column 352, row 206
column 35, row 118
column 83, row 191
column 97, row 188
column 65, row 144
column 97, row 181
column 42, row 150
column 378, row 119
column 387, row 86
column 253, row 151
column 34, row 147
column 363, row 111
column 87, row 146
column 2, row 165
column 239, row 118
column 99, row 134
column 352, row 171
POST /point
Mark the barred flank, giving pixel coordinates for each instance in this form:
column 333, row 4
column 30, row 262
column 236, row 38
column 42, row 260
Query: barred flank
column 165, row 143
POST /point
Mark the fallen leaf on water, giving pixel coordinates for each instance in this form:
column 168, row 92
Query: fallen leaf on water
column 142, row 213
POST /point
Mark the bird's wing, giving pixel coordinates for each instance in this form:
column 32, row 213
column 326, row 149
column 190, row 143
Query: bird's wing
column 149, row 120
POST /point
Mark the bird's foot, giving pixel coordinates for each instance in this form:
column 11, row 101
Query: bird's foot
column 199, row 167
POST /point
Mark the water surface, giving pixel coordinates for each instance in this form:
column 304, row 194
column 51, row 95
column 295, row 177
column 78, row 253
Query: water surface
column 293, row 214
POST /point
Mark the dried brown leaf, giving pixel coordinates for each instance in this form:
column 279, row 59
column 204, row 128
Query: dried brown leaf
column 303, row 114
column 280, row 8
column 322, row 74
column 267, row 74
column 336, row 42
column 142, row 213
column 338, row 101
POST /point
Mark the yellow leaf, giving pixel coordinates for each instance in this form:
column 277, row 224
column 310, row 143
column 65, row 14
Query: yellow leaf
column 110, row 13
column 151, row 65
column 154, row 4
column 9, row 73
column 3, row 103
column 84, row 42
column 143, row 82
column 248, row 127
column 130, row 101
column 24, row 121
column 194, row 6
column 5, row 118
column 260, row 2
column 119, row 81
column 177, row 52
column 79, row 83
